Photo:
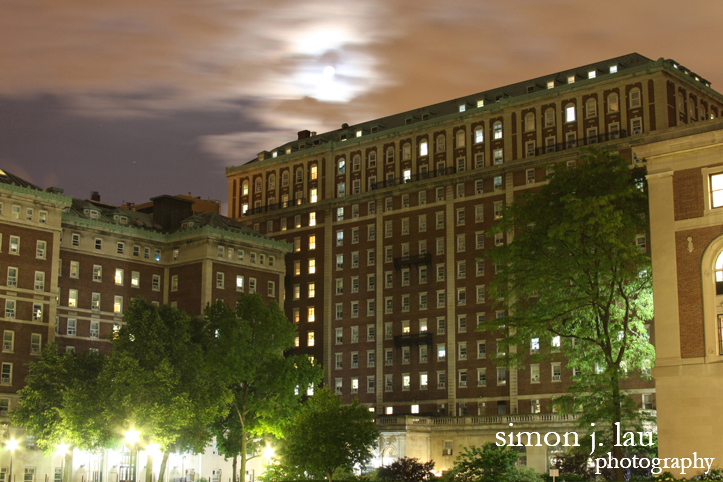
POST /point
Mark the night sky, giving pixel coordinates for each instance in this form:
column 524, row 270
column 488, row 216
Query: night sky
column 137, row 98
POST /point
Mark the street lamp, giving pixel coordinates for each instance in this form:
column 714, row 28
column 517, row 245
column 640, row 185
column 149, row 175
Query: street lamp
column 62, row 449
column 268, row 452
column 132, row 438
column 12, row 444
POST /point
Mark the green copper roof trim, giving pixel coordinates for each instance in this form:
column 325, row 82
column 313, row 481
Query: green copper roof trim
column 74, row 220
column 209, row 231
column 45, row 195
column 205, row 231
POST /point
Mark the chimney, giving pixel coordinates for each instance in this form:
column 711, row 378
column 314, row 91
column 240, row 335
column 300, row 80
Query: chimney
column 94, row 196
column 304, row 134
column 345, row 125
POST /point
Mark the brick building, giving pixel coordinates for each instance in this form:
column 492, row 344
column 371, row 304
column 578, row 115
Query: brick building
column 388, row 218
column 70, row 268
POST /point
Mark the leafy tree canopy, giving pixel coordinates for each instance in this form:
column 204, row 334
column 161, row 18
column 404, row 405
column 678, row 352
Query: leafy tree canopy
column 245, row 346
column 485, row 464
column 407, row 470
column 327, row 435
column 575, row 279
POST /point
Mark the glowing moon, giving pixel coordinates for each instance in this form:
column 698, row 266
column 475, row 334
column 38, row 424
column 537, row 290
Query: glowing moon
column 329, row 71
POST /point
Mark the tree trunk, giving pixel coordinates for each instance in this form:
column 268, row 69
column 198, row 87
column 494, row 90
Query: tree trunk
column 331, row 474
column 68, row 468
column 149, row 467
column 243, row 456
column 617, row 417
column 234, row 465
column 162, row 472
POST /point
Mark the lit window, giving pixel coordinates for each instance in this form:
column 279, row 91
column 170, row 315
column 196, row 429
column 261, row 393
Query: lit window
column 118, row 276
column 570, row 113
column 716, row 190
column 497, row 130
column 423, row 148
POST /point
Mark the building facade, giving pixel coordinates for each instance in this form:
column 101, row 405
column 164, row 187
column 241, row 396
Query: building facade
column 387, row 220
column 685, row 169
column 71, row 266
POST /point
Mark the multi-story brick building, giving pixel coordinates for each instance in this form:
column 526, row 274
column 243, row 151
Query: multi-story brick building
column 387, row 218
column 73, row 265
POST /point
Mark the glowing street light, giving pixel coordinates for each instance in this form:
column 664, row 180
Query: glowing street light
column 268, row 452
column 11, row 445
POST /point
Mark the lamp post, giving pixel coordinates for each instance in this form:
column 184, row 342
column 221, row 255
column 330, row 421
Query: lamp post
column 62, row 449
column 132, row 437
column 12, row 444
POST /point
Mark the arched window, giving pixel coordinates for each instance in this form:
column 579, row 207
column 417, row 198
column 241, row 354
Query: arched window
column 635, row 98
column 314, row 172
column 373, row 158
column 441, row 144
column 460, row 138
column 497, row 130
column 590, row 108
column 272, row 181
column 719, row 275
column 691, row 109
column 613, row 103
column 390, row 154
column 570, row 112
column 341, row 164
column 423, row 148
column 245, row 188
column 356, row 162
column 285, row 178
column 549, row 117
column 479, row 135
column 257, row 187
column 299, row 175
column 529, row 122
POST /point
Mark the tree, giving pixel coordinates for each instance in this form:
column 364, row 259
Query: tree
column 159, row 383
column 59, row 389
column 327, row 435
column 246, row 349
column 575, row 273
column 407, row 470
column 485, row 464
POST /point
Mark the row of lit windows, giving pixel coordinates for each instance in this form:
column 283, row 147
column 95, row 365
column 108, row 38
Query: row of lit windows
column 423, row 381
column 239, row 255
column 95, row 301
column 14, row 275
column 221, row 284
column 36, row 340
column 16, row 213
column 11, row 313
column 41, row 247
column 120, row 248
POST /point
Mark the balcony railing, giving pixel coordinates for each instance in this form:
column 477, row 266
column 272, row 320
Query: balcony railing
column 412, row 260
column 585, row 141
column 414, row 178
column 275, row 206
column 442, row 420
column 409, row 339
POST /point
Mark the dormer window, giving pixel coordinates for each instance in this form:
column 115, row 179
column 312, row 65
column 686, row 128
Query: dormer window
column 94, row 214
column 358, row 133
column 124, row 220
column 613, row 69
